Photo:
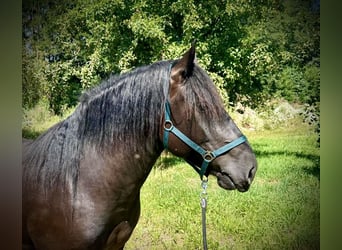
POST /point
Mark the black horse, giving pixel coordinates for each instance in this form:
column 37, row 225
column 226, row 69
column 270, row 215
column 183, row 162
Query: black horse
column 82, row 178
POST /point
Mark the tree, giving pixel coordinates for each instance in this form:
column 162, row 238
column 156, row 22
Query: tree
column 253, row 50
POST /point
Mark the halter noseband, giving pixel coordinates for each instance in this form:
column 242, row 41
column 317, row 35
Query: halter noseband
column 208, row 156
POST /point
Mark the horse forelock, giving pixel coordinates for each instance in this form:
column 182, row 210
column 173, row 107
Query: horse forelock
column 201, row 93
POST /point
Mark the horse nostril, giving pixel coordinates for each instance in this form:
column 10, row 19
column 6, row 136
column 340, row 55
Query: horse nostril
column 244, row 186
column 251, row 174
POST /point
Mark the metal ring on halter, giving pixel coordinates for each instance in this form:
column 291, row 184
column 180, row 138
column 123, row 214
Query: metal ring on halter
column 208, row 156
column 168, row 125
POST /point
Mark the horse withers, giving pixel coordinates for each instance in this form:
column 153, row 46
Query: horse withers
column 82, row 178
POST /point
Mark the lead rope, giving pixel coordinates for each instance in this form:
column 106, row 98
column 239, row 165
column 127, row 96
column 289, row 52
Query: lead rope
column 204, row 196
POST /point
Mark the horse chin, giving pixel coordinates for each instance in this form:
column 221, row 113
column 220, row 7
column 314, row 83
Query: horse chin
column 224, row 181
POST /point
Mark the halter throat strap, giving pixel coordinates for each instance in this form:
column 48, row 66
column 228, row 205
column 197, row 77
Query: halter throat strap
column 208, row 156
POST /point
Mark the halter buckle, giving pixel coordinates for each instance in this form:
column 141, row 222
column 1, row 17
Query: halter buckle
column 168, row 125
column 208, row 156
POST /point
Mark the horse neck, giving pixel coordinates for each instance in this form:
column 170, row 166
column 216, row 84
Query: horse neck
column 129, row 153
column 120, row 174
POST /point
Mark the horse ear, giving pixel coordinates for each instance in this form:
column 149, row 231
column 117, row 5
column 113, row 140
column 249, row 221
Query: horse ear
column 184, row 67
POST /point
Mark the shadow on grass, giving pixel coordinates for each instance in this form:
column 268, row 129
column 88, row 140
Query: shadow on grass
column 315, row 159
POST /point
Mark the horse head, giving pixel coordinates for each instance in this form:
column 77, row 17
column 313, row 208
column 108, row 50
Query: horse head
column 197, row 128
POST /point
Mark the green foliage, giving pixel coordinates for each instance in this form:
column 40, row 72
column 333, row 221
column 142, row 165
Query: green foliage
column 30, row 85
column 253, row 50
column 299, row 85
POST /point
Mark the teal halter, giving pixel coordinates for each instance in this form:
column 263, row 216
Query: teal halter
column 208, row 156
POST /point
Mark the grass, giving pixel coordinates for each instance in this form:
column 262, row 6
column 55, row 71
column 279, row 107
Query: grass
column 280, row 211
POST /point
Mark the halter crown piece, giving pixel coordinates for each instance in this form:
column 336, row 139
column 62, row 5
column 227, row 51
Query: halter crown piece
column 208, row 156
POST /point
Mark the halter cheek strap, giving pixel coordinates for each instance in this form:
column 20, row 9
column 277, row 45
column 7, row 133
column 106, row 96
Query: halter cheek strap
column 208, row 156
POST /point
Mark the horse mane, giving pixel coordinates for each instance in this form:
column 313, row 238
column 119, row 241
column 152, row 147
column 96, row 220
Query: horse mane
column 123, row 112
column 126, row 108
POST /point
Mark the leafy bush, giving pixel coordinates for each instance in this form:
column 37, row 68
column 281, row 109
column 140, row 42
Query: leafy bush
column 299, row 85
column 274, row 114
column 311, row 115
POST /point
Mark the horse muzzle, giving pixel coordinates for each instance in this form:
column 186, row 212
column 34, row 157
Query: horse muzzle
column 229, row 182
